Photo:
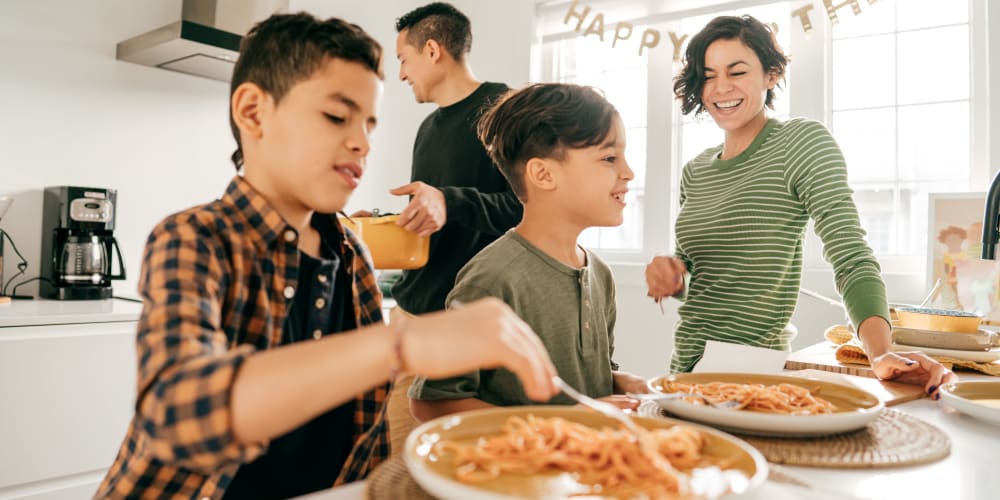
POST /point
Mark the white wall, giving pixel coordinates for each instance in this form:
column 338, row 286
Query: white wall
column 74, row 115
column 502, row 34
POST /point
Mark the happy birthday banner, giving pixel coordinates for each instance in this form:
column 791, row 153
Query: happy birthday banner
column 651, row 37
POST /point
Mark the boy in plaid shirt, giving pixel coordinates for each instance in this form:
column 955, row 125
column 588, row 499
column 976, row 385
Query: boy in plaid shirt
column 263, row 358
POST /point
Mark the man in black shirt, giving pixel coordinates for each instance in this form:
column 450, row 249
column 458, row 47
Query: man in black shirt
column 458, row 196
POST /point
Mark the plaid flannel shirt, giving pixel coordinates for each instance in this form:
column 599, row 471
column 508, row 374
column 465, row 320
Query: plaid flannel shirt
column 216, row 285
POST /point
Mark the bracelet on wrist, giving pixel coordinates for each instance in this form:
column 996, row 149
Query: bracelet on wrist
column 397, row 328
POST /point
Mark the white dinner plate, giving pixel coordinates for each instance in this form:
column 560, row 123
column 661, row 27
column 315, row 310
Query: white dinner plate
column 977, row 356
column 434, row 470
column 856, row 408
column 976, row 398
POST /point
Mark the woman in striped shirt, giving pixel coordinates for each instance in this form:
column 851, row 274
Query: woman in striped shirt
column 744, row 209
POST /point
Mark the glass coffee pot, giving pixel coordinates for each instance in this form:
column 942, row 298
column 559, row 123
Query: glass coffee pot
column 85, row 260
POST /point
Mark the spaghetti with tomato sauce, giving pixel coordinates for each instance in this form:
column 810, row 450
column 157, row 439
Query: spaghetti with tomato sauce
column 609, row 462
column 786, row 399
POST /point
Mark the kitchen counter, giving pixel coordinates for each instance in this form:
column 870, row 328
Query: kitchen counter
column 768, row 491
column 64, row 312
column 68, row 374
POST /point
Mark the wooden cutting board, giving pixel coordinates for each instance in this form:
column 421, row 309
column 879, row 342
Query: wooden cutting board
column 822, row 357
column 890, row 393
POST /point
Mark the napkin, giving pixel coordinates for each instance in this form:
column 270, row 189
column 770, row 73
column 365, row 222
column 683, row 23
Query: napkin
column 726, row 358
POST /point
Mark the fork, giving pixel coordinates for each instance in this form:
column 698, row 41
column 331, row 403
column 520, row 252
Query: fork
column 728, row 404
column 643, row 437
column 601, row 407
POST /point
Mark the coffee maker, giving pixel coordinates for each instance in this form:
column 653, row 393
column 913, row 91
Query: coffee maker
column 77, row 241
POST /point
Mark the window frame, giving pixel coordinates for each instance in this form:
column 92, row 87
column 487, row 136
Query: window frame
column 811, row 98
column 913, row 265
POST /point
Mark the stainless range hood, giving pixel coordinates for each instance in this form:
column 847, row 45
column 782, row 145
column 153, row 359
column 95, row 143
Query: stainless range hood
column 205, row 41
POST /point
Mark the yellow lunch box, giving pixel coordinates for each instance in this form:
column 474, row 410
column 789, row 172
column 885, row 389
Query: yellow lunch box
column 391, row 246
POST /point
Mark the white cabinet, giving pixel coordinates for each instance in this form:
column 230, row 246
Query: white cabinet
column 66, row 397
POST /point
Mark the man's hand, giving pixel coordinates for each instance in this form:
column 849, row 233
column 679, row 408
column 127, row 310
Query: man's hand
column 426, row 214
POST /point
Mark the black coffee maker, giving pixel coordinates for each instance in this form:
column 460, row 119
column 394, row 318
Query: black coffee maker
column 77, row 241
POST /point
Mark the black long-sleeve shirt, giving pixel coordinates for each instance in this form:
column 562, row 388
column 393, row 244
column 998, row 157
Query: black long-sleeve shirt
column 447, row 154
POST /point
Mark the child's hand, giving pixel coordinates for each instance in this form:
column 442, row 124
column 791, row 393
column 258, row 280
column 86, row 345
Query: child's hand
column 665, row 276
column 622, row 401
column 626, row 382
column 481, row 334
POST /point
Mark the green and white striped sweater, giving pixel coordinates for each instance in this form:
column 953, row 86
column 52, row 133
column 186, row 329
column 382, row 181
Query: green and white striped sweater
column 741, row 229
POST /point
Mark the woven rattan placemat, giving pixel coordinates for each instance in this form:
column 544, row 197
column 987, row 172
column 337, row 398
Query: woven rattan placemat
column 392, row 481
column 895, row 439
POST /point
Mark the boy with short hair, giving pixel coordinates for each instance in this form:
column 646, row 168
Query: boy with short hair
column 562, row 148
column 261, row 325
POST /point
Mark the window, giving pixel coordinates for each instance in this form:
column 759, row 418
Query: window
column 901, row 111
column 622, row 75
column 659, row 139
column 900, row 86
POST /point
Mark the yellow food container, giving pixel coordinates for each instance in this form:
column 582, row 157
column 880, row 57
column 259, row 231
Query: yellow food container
column 938, row 320
column 391, row 246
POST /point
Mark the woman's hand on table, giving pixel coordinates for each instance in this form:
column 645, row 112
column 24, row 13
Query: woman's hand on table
column 665, row 276
column 913, row 368
column 908, row 367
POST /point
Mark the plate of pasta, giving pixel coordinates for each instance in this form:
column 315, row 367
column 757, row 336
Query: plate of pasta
column 565, row 451
column 768, row 405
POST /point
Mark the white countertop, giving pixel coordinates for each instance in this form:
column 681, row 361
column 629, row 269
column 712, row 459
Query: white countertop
column 969, row 473
column 62, row 312
column 768, row 491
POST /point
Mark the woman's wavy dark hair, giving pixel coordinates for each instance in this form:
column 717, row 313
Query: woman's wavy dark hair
column 286, row 49
column 758, row 36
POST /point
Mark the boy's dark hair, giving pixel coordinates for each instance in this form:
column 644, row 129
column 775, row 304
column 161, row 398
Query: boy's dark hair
column 758, row 36
column 285, row 49
column 541, row 121
column 440, row 22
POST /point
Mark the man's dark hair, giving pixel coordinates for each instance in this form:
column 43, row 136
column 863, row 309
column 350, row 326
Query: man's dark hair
column 440, row 22
column 286, row 49
column 541, row 121
column 758, row 36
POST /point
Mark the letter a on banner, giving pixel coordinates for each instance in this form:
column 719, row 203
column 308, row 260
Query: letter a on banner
column 596, row 27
